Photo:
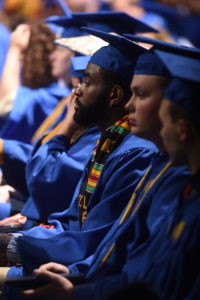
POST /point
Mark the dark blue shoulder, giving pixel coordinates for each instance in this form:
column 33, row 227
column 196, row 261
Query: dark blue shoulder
column 132, row 142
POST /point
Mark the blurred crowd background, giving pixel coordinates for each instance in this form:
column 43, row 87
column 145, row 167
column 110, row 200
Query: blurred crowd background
column 25, row 52
column 13, row 12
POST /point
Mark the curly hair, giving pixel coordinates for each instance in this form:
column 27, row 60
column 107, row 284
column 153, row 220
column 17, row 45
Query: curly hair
column 36, row 66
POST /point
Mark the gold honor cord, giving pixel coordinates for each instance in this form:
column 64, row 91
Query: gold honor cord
column 147, row 187
column 43, row 128
column 52, row 133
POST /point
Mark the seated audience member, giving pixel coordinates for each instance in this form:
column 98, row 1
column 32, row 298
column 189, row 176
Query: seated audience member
column 160, row 257
column 100, row 99
column 29, row 89
column 60, row 69
column 13, row 13
column 71, row 29
column 184, row 17
column 49, row 165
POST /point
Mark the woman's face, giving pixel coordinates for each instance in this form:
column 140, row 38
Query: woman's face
column 143, row 106
column 60, row 61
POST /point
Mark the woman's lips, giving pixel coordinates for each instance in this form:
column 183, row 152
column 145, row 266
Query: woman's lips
column 132, row 122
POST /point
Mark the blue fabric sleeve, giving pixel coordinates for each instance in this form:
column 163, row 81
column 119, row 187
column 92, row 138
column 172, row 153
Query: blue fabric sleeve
column 30, row 109
column 4, row 40
column 100, row 289
column 15, row 157
column 80, row 244
column 84, row 292
column 54, row 171
column 5, row 210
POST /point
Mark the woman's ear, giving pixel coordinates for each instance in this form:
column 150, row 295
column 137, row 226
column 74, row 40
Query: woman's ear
column 184, row 129
column 116, row 95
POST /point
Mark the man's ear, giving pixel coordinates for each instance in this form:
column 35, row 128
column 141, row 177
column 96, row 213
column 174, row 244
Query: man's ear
column 116, row 95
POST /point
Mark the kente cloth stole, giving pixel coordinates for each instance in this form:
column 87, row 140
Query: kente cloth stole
column 105, row 145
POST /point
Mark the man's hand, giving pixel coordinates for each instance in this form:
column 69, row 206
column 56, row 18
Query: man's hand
column 4, row 240
column 52, row 267
column 69, row 126
column 16, row 219
column 59, row 288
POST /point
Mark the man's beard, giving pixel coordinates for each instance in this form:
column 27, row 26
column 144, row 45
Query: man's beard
column 90, row 114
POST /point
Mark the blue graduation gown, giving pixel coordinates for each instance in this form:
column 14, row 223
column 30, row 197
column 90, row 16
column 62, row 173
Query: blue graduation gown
column 191, row 28
column 121, row 173
column 15, row 157
column 166, row 258
column 30, row 108
column 16, row 154
column 195, row 291
column 53, row 172
column 173, row 268
column 4, row 42
column 145, row 221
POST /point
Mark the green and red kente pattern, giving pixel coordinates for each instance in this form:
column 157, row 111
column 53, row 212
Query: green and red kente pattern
column 106, row 144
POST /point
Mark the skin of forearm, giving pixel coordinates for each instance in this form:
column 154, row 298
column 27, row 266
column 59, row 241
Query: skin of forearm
column 11, row 73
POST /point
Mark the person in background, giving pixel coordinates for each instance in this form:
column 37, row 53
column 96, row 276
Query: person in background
column 13, row 13
column 84, row 5
column 32, row 103
column 54, row 165
column 189, row 12
column 174, row 24
column 31, row 92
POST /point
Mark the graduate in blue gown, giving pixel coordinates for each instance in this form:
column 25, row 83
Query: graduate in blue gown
column 71, row 30
column 32, row 105
column 14, row 154
column 52, row 171
column 166, row 256
column 98, row 20
column 48, row 166
column 30, row 109
column 33, row 97
column 170, row 261
column 98, row 200
column 24, row 113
